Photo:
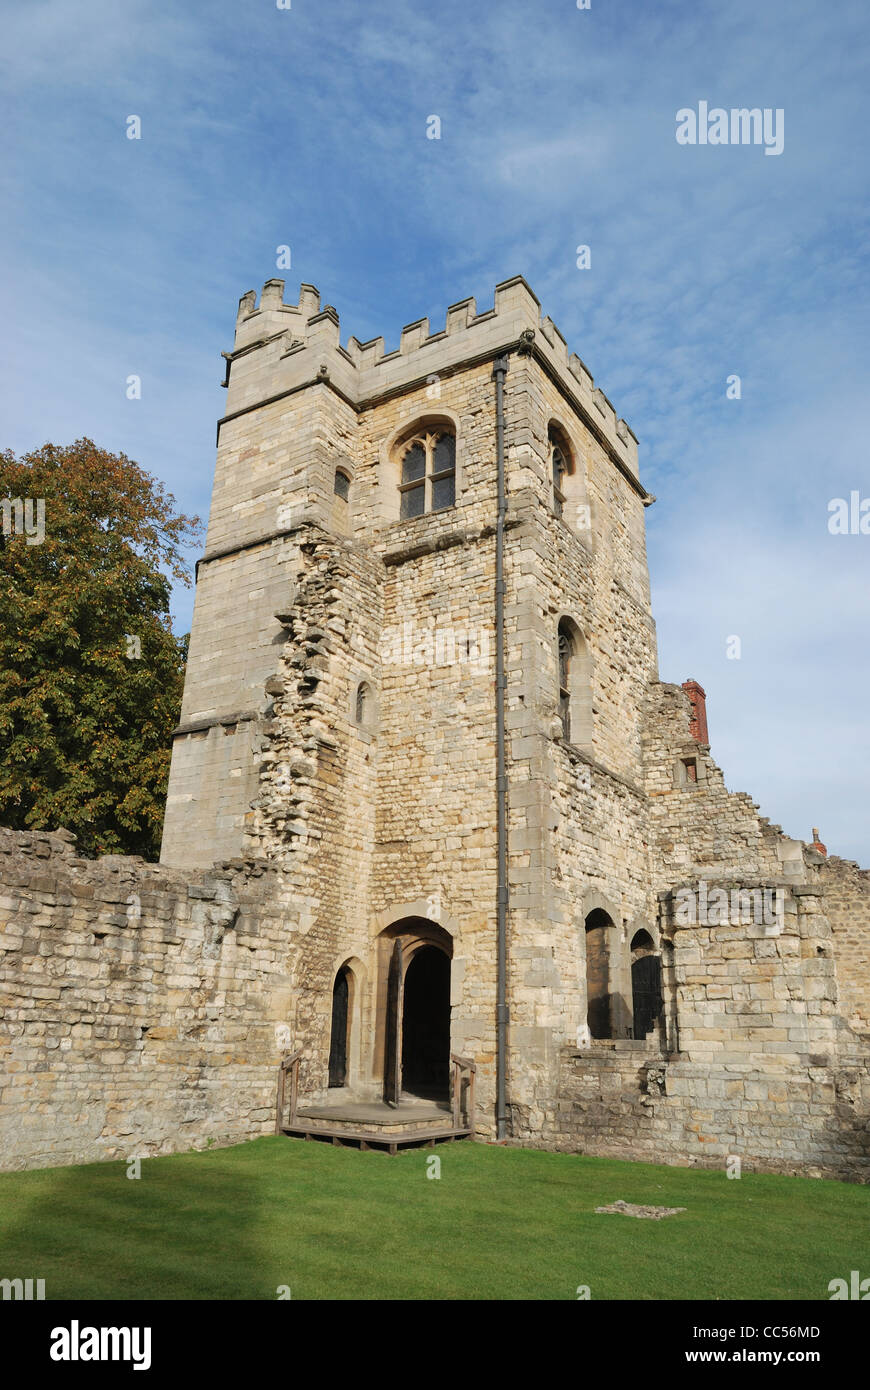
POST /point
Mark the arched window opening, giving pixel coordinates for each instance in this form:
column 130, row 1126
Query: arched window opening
column 599, row 940
column 561, row 465
column 559, row 468
column 340, row 1036
column 575, row 685
column 641, row 944
column 428, row 473
column 567, row 481
column 566, row 652
column 342, row 484
column 363, row 705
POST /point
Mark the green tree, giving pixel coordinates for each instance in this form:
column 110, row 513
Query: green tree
column 90, row 672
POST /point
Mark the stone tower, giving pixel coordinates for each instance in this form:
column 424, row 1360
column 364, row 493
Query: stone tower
column 431, row 807
column 341, row 706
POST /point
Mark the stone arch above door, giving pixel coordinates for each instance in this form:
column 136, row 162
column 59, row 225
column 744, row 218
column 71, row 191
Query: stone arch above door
column 431, row 910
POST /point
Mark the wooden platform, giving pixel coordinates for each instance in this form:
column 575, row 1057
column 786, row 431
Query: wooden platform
column 412, row 1120
column 373, row 1125
column 371, row 1139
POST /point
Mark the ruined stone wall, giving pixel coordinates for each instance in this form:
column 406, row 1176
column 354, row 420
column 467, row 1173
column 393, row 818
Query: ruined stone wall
column 758, row 1053
column 699, row 827
column 138, row 1006
column 274, row 477
column 314, row 814
column 758, row 1064
column 847, row 906
column 621, row 1100
column 756, row 992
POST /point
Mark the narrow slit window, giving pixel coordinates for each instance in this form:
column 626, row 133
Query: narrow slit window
column 566, row 651
column 363, row 704
column 558, row 474
column 560, row 466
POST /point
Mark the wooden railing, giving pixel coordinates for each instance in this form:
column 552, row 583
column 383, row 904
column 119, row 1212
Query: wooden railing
column 461, row 1064
column 289, row 1062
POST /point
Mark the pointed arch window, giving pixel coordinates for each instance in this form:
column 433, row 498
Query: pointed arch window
column 566, row 652
column 428, row 476
column 363, row 704
column 561, row 466
column 575, row 684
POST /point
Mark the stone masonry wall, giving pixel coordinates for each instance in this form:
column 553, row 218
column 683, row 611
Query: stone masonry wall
column 765, row 1068
column 138, row 1006
column 764, row 1049
column 847, row 906
column 621, row 1100
column 699, row 827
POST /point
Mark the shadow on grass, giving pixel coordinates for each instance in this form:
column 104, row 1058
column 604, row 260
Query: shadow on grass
column 185, row 1229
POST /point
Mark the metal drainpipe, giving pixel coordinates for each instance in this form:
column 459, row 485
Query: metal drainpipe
column 499, row 372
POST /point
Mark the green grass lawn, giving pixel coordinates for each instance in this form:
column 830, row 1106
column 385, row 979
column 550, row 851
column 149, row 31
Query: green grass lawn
column 500, row 1223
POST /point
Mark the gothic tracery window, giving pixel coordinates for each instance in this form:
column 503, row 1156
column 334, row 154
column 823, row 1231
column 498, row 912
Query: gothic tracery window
column 428, row 476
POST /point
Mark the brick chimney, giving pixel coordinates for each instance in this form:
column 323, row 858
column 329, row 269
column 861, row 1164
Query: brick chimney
column 698, row 721
column 817, row 844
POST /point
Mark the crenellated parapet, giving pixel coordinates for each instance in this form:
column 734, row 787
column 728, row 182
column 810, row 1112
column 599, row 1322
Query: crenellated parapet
column 282, row 347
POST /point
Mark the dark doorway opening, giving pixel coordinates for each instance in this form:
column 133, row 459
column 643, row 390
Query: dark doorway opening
column 646, row 984
column 426, row 1025
column 599, row 929
column 340, row 1025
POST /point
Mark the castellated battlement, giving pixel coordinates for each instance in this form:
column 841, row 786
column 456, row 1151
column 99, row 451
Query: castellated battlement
column 282, row 347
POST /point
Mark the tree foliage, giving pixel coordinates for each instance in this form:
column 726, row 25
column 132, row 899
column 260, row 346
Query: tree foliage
column 90, row 672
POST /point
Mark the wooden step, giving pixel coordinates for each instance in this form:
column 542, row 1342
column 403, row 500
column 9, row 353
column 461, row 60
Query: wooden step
column 369, row 1139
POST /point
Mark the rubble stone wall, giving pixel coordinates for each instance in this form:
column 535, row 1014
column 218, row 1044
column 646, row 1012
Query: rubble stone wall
column 138, row 1007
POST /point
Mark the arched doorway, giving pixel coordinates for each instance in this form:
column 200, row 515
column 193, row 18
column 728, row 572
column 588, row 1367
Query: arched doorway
column 415, row 1010
column 338, row 1043
column 426, row 1025
column 646, row 983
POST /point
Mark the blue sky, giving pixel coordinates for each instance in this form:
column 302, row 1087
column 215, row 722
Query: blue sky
column 307, row 127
